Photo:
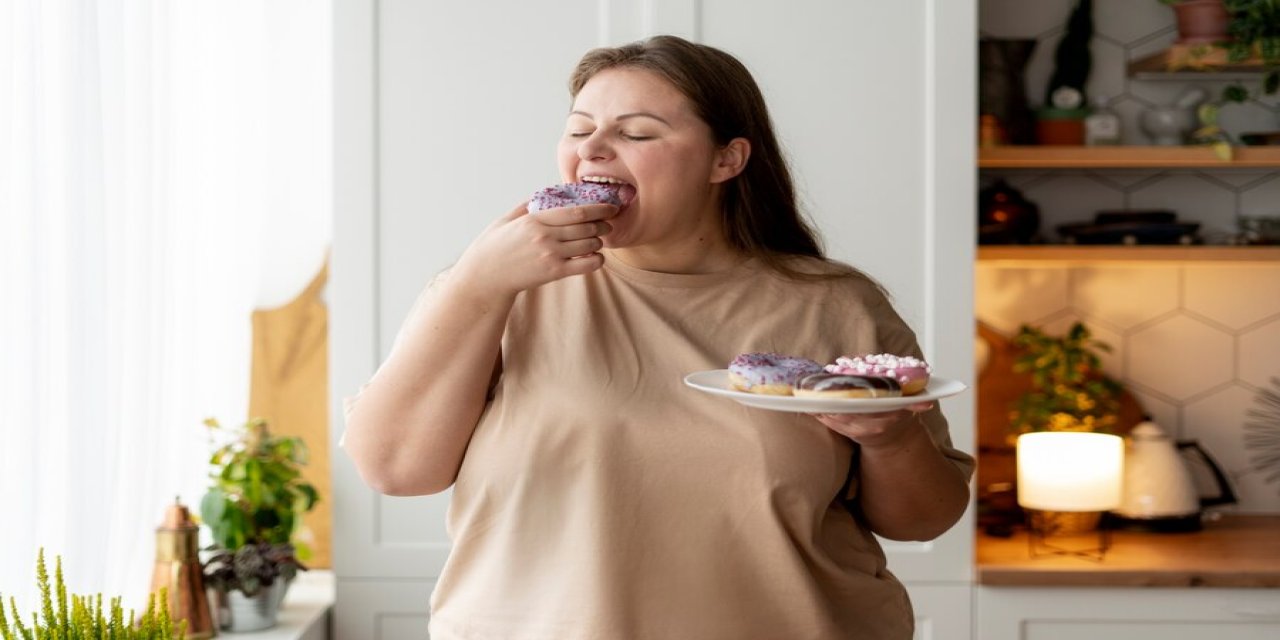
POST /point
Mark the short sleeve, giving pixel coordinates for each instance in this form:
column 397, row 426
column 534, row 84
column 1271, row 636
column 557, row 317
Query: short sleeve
column 894, row 336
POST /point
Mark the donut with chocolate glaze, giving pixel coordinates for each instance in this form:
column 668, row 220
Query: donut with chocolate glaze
column 843, row 385
column 769, row 373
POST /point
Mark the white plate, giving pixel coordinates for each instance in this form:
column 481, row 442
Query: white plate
column 716, row 382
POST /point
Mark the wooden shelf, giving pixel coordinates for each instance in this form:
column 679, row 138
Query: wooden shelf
column 1183, row 62
column 1092, row 253
column 1234, row 552
column 1125, row 157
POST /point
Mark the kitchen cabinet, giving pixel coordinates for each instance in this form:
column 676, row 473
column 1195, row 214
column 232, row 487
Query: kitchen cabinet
column 1065, row 613
column 1224, row 579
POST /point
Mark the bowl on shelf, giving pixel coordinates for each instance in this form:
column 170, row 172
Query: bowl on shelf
column 1259, row 229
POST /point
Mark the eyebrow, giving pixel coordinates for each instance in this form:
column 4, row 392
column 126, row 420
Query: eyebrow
column 625, row 116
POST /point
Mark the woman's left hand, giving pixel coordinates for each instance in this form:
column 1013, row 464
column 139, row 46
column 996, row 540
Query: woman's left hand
column 873, row 429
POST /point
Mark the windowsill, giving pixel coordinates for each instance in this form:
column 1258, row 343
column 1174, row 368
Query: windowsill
column 305, row 612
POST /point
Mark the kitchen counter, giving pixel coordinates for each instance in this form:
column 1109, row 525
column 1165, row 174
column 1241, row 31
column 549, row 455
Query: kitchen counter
column 1234, row 551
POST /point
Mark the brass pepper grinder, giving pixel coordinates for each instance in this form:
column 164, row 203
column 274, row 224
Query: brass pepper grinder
column 178, row 569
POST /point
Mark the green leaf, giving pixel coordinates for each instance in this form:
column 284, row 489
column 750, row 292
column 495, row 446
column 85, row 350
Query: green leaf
column 1208, row 114
column 213, row 505
column 1235, row 93
column 310, row 497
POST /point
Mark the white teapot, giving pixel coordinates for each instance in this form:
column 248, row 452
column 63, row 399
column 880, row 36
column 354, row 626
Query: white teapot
column 1159, row 492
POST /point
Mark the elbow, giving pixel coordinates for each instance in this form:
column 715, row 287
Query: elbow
column 400, row 489
column 388, row 472
column 387, row 480
column 940, row 518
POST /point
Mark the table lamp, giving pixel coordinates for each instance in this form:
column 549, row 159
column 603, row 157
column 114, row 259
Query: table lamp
column 1068, row 472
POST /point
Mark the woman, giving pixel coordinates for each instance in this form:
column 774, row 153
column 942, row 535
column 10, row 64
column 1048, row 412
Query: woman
column 594, row 496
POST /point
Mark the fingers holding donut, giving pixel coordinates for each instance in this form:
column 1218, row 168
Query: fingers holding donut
column 519, row 251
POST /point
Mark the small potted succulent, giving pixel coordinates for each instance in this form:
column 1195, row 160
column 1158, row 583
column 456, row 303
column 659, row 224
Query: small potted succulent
column 253, row 508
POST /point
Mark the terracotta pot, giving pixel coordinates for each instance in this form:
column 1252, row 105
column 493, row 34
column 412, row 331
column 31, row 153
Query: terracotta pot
column 1201, row 21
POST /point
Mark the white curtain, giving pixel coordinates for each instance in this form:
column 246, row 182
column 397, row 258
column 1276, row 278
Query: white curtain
column 163, row 170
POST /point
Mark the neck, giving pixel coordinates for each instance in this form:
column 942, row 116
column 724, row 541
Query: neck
column 694, row 253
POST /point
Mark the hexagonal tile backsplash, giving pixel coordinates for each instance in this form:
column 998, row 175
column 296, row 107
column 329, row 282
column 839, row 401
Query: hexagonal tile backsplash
column 1194, row 343
column 1124, row 30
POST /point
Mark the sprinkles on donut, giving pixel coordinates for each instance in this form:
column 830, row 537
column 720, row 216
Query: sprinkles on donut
column 579, row 193
column 769, row 373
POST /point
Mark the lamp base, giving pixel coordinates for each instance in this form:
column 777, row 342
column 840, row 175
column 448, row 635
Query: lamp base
column 1064, row 533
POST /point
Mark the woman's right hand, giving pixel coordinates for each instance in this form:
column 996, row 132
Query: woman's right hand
column 521, row 250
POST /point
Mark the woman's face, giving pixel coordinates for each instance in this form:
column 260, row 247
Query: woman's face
column 632, row 125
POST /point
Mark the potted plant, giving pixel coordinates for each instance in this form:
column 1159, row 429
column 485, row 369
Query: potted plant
column 1069, row 391
column 85, row 617
column 253, row 508
column 1199, row 21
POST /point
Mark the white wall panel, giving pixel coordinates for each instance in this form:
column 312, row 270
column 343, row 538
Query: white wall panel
column 942, row 612
column 472, row 100
column 381, row 609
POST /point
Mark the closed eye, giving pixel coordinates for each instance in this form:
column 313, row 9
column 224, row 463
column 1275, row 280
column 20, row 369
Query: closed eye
column 628, row 136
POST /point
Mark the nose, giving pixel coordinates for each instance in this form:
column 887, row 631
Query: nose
column 595, row 147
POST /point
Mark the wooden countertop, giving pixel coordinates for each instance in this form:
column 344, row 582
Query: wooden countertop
column 1235, row 551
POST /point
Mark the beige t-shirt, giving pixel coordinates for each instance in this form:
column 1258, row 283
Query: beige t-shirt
column 601, row 498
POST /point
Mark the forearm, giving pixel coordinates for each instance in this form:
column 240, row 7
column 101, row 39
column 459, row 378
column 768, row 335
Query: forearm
column 409, row 429
column 909, row 490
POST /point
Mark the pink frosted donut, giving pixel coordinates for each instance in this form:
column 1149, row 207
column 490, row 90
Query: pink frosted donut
column 579, row 193
column 769, row 373
column 911, row 373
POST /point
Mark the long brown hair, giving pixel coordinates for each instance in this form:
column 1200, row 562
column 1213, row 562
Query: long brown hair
column 758, row 211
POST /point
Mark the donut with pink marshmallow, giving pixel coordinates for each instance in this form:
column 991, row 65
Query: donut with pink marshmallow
column 911, row 373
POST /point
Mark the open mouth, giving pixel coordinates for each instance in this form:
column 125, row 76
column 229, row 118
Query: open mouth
column 623, row 191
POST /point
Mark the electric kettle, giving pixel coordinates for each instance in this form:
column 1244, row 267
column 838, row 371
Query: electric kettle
column 1160, row 492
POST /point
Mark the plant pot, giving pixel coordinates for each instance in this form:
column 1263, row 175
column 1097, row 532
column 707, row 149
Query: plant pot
column 238, row 613
column 1201, row 21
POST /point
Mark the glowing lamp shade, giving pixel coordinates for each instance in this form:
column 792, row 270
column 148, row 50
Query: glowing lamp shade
column 1070, row 471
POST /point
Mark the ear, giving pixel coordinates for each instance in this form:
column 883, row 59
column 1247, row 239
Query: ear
column 730, row 160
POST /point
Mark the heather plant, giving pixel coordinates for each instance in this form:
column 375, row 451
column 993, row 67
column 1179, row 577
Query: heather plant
column 84, row 618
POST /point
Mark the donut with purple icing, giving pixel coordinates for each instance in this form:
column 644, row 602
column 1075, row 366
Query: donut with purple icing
column 769, row 373
column 576, row 194
column 911, row 373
